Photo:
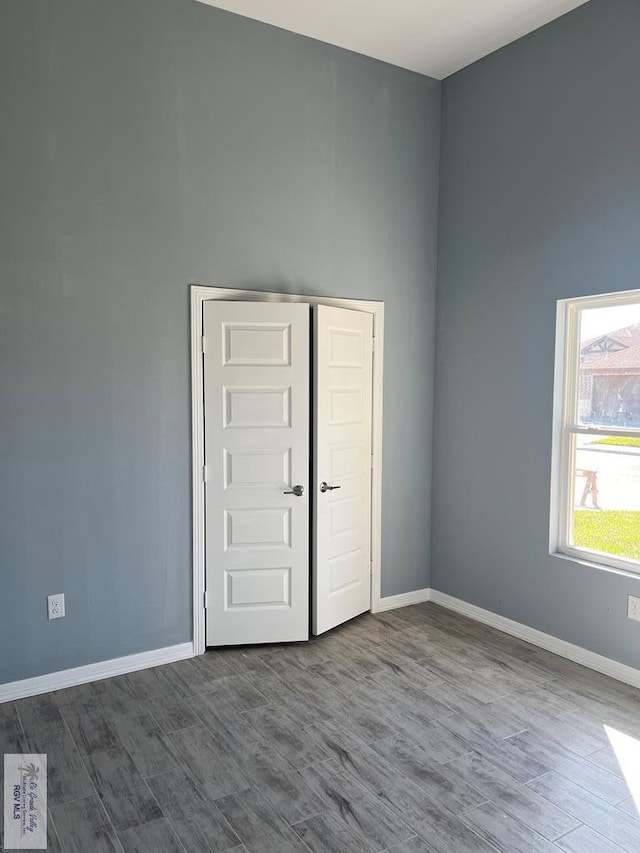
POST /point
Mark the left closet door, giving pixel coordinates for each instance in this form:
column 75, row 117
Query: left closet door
column 256, row 388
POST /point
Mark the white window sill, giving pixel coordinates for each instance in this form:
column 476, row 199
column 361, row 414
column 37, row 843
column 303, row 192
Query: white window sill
column 621, row 570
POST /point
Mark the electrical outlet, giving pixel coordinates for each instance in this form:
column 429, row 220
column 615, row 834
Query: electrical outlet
column 634, row 608
column 55, row 606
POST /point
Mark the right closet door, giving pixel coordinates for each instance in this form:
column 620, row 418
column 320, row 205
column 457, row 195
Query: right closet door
column 341, row 564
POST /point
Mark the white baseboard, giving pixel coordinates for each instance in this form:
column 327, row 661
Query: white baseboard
column 144, row 660
column 93, row 672
column 607, row 666
column 390, row 602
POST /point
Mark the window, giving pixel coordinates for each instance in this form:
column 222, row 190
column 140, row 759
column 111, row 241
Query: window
column 596, row 453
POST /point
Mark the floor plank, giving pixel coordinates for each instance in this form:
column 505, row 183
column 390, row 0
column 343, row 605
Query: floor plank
column 328, row 834
column 124, row 793
column 197, row 821
column 259, row 827
column 506, row 832
column 154, row 837
column 413, row 845
column 443, row 830
column 83, row 827
column 608, row 786
column 607, row 820
column 12, row 736
column 288, row 794
column 140, row 734
column 210, row 764
column 440, row 783
column 67, row 777
column 585, row 840
column 90, row 726
column 283, row 731
column 357, row 808
column 518, row 801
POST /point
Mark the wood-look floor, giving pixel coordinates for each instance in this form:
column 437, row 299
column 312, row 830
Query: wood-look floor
column 413, row 731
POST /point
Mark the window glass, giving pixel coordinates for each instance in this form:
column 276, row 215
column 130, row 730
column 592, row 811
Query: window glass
column 606, row 495
column 609, row 372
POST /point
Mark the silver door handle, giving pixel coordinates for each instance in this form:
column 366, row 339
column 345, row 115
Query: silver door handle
column 325, row 488
column 298, row 491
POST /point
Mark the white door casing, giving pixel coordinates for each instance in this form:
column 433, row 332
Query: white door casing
column 342, row 466
column 256, row 436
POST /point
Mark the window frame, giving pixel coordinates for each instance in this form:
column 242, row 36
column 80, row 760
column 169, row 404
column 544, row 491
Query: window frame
column 566, row 428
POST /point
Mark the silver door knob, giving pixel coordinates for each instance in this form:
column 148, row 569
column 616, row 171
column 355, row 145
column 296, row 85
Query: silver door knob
column 298, row 491
column 325, row 488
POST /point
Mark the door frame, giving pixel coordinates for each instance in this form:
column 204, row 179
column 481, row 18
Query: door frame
column 201, row 294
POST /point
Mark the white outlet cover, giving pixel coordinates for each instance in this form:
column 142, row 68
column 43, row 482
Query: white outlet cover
column 633, row 611
column 55, row 606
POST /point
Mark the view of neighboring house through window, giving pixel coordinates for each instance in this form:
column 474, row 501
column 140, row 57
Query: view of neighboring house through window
column 596, row 486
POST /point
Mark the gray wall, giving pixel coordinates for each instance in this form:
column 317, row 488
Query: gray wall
column 540, row 200
column 145, row 146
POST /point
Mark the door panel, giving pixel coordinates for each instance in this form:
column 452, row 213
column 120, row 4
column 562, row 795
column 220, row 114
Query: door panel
column 256, row 380
column 342, row 460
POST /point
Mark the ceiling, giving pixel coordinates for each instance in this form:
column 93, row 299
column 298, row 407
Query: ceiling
column 433, row 37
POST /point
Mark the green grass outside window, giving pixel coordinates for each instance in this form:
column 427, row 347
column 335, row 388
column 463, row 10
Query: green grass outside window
column 614, row 532
column 620, row 440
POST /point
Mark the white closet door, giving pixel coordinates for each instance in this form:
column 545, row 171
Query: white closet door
column 256, row 380
column 342, row 466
